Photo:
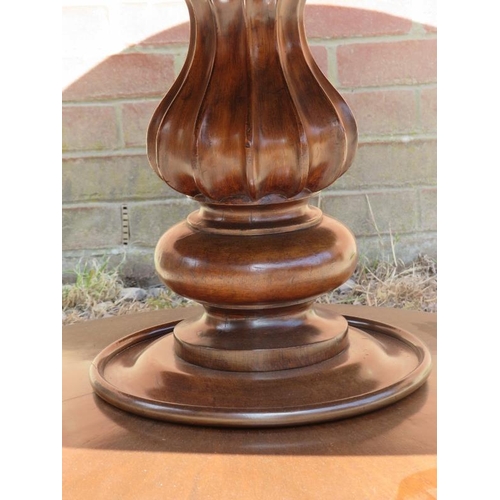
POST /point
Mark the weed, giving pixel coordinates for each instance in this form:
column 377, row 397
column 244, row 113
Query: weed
column 392, row 284
column 95, row 284
column 166, row 299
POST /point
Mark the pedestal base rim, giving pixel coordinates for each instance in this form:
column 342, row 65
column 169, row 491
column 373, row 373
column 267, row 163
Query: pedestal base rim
column 141, row 374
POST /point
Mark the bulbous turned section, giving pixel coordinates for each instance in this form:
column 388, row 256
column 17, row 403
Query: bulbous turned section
column 258, row 289
column 251, row 119
column 256, row 271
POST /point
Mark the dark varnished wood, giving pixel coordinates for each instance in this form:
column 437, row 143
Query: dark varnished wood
column 292, row 337
column 381, row 365
column 251, row 118
column 109, row 453
column 258, row 271
column 251, row 129
column 260, row 286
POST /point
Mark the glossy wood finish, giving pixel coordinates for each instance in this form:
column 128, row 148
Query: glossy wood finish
column 251, row 129
column 388, row 454
column 140, row 373
column 260, row 287
column 251, row 118
column 258, row 271
column 293, row 339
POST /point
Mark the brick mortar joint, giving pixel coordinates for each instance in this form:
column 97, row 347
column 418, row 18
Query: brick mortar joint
column 138, row 151
column 385, row 87
column 373, row 187
column 419, row 209
column 166, row 49
column 130, row 203
column 160, row 202
column 119, row 126
column 361, row 40
column 104, row 153
column 180, row 49
column 100, row 251
column 332, row 193
column 429, row 232
column 419, row 28
column 397, row 138
column 418, row 109
column 323, row 195
column 333, row 67
column 94, row 204
column 416, row 139
column 385, row 236
column 108, row 102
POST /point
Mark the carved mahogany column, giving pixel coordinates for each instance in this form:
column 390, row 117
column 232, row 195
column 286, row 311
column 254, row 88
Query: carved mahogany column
column 251, row 129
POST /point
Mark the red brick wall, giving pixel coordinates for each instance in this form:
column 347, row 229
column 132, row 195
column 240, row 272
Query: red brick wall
column 383, row 64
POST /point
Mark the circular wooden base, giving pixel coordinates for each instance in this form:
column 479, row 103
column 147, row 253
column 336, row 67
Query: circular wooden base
column 141, row 374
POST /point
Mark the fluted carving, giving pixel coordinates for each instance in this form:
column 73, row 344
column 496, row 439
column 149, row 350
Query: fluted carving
column 251, row 119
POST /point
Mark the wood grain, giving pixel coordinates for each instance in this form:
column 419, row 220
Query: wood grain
column 251, row 118
column 250, row 129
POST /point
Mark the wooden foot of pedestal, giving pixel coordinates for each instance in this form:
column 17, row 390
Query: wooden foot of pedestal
column 142, row 374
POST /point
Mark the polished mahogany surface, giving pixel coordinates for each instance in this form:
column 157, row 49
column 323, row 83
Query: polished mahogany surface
column 108, row 453
column 371, row 365
column 251, row 129
column 251, row 118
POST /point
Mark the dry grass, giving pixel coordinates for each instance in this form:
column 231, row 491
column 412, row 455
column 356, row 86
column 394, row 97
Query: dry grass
column 94, row 285
column 392, row 284
column 97, row 292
